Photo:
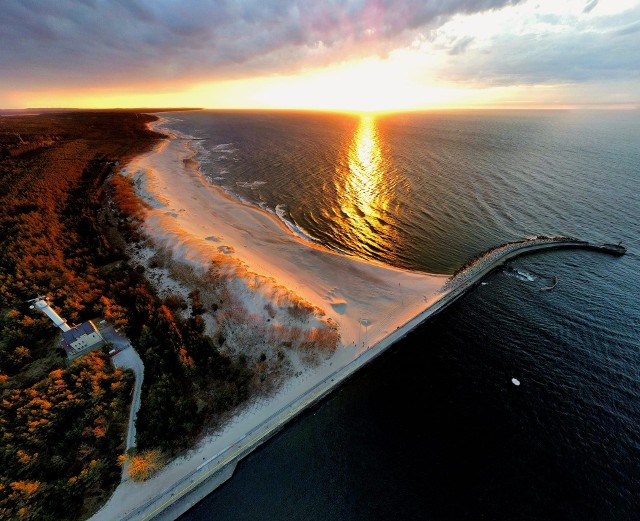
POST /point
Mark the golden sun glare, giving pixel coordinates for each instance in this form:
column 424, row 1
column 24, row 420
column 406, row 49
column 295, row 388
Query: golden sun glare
column 366, row 86
column 363, row 191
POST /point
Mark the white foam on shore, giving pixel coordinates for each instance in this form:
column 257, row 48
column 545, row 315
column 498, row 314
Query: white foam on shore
column 367, row 301
column 282, row 213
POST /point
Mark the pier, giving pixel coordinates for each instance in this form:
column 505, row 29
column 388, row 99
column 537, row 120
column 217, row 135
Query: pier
column 474, row 270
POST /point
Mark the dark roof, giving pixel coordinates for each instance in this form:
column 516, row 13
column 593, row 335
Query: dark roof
column 75, row 333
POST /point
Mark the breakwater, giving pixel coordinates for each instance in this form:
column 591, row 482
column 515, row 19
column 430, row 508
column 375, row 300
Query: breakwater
column 481, row 265
column 182, row 495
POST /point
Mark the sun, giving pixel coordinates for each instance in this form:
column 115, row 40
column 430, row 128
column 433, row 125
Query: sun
column 397, row 82
column 364, row 86
column 368, row 85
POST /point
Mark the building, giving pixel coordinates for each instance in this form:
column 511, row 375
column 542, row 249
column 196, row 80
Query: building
column 41, row 304
column 75, row 340
column 84, row 337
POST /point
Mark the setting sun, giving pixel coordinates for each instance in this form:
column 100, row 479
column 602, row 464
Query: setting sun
column 365, row 86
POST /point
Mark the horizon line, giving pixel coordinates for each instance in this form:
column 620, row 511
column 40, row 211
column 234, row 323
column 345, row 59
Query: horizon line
column 152, row 109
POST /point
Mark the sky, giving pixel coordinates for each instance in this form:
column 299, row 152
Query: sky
column 356, row 55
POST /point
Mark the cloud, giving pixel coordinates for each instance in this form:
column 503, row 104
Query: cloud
column 461, row 44
column 567, row 50
column 100, row 42
column 589, row 6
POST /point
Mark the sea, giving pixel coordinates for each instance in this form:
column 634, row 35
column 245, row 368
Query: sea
column 436, row 428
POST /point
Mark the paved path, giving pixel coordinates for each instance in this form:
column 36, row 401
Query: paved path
column 127, row 358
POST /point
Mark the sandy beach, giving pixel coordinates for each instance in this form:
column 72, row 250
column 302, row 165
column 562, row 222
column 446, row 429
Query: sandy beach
column 199, row 223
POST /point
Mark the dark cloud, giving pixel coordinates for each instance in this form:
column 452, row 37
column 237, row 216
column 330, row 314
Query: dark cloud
column 103, row 42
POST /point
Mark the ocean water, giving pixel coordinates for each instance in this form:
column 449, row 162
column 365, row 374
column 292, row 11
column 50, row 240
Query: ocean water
column 435, row 429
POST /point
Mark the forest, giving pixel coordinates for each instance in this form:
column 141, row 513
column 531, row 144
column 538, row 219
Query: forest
column 65, row 217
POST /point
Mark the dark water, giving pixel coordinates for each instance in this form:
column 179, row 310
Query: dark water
column 435, row 429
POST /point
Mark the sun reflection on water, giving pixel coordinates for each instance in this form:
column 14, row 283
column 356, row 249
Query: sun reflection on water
column 364, row 195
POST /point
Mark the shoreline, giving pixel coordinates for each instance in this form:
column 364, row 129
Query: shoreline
column 365, row 295
column 258, row 242
column 267, row 263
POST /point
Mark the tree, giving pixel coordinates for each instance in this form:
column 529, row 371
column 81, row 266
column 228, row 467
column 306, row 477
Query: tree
column 144, row 465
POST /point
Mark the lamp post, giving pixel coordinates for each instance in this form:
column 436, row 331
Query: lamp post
column 365, row 322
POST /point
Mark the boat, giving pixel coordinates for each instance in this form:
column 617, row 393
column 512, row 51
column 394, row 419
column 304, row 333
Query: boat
column 615, row 249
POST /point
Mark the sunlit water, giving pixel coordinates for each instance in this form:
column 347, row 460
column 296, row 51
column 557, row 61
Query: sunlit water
column 436, row 429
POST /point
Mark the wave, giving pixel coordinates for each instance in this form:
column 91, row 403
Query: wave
column 218, row 153
column 203, row 154
column 254, row 185
column 224, row 148
column 520, row 274
column 282, row 214
column 164, row 123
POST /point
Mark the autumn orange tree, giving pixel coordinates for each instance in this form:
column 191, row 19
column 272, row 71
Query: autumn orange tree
column 65, row 221
column 61, row 426
column 59, row 435
column 142, row 466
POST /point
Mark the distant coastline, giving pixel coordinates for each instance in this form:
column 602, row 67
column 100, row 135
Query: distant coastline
column 34, row 111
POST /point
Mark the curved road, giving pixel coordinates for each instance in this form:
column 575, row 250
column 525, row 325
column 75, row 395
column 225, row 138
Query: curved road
column 127, row 358
column 178, row 498
column 130, row 359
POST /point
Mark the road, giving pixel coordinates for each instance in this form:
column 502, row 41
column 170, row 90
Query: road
column 127, row 358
